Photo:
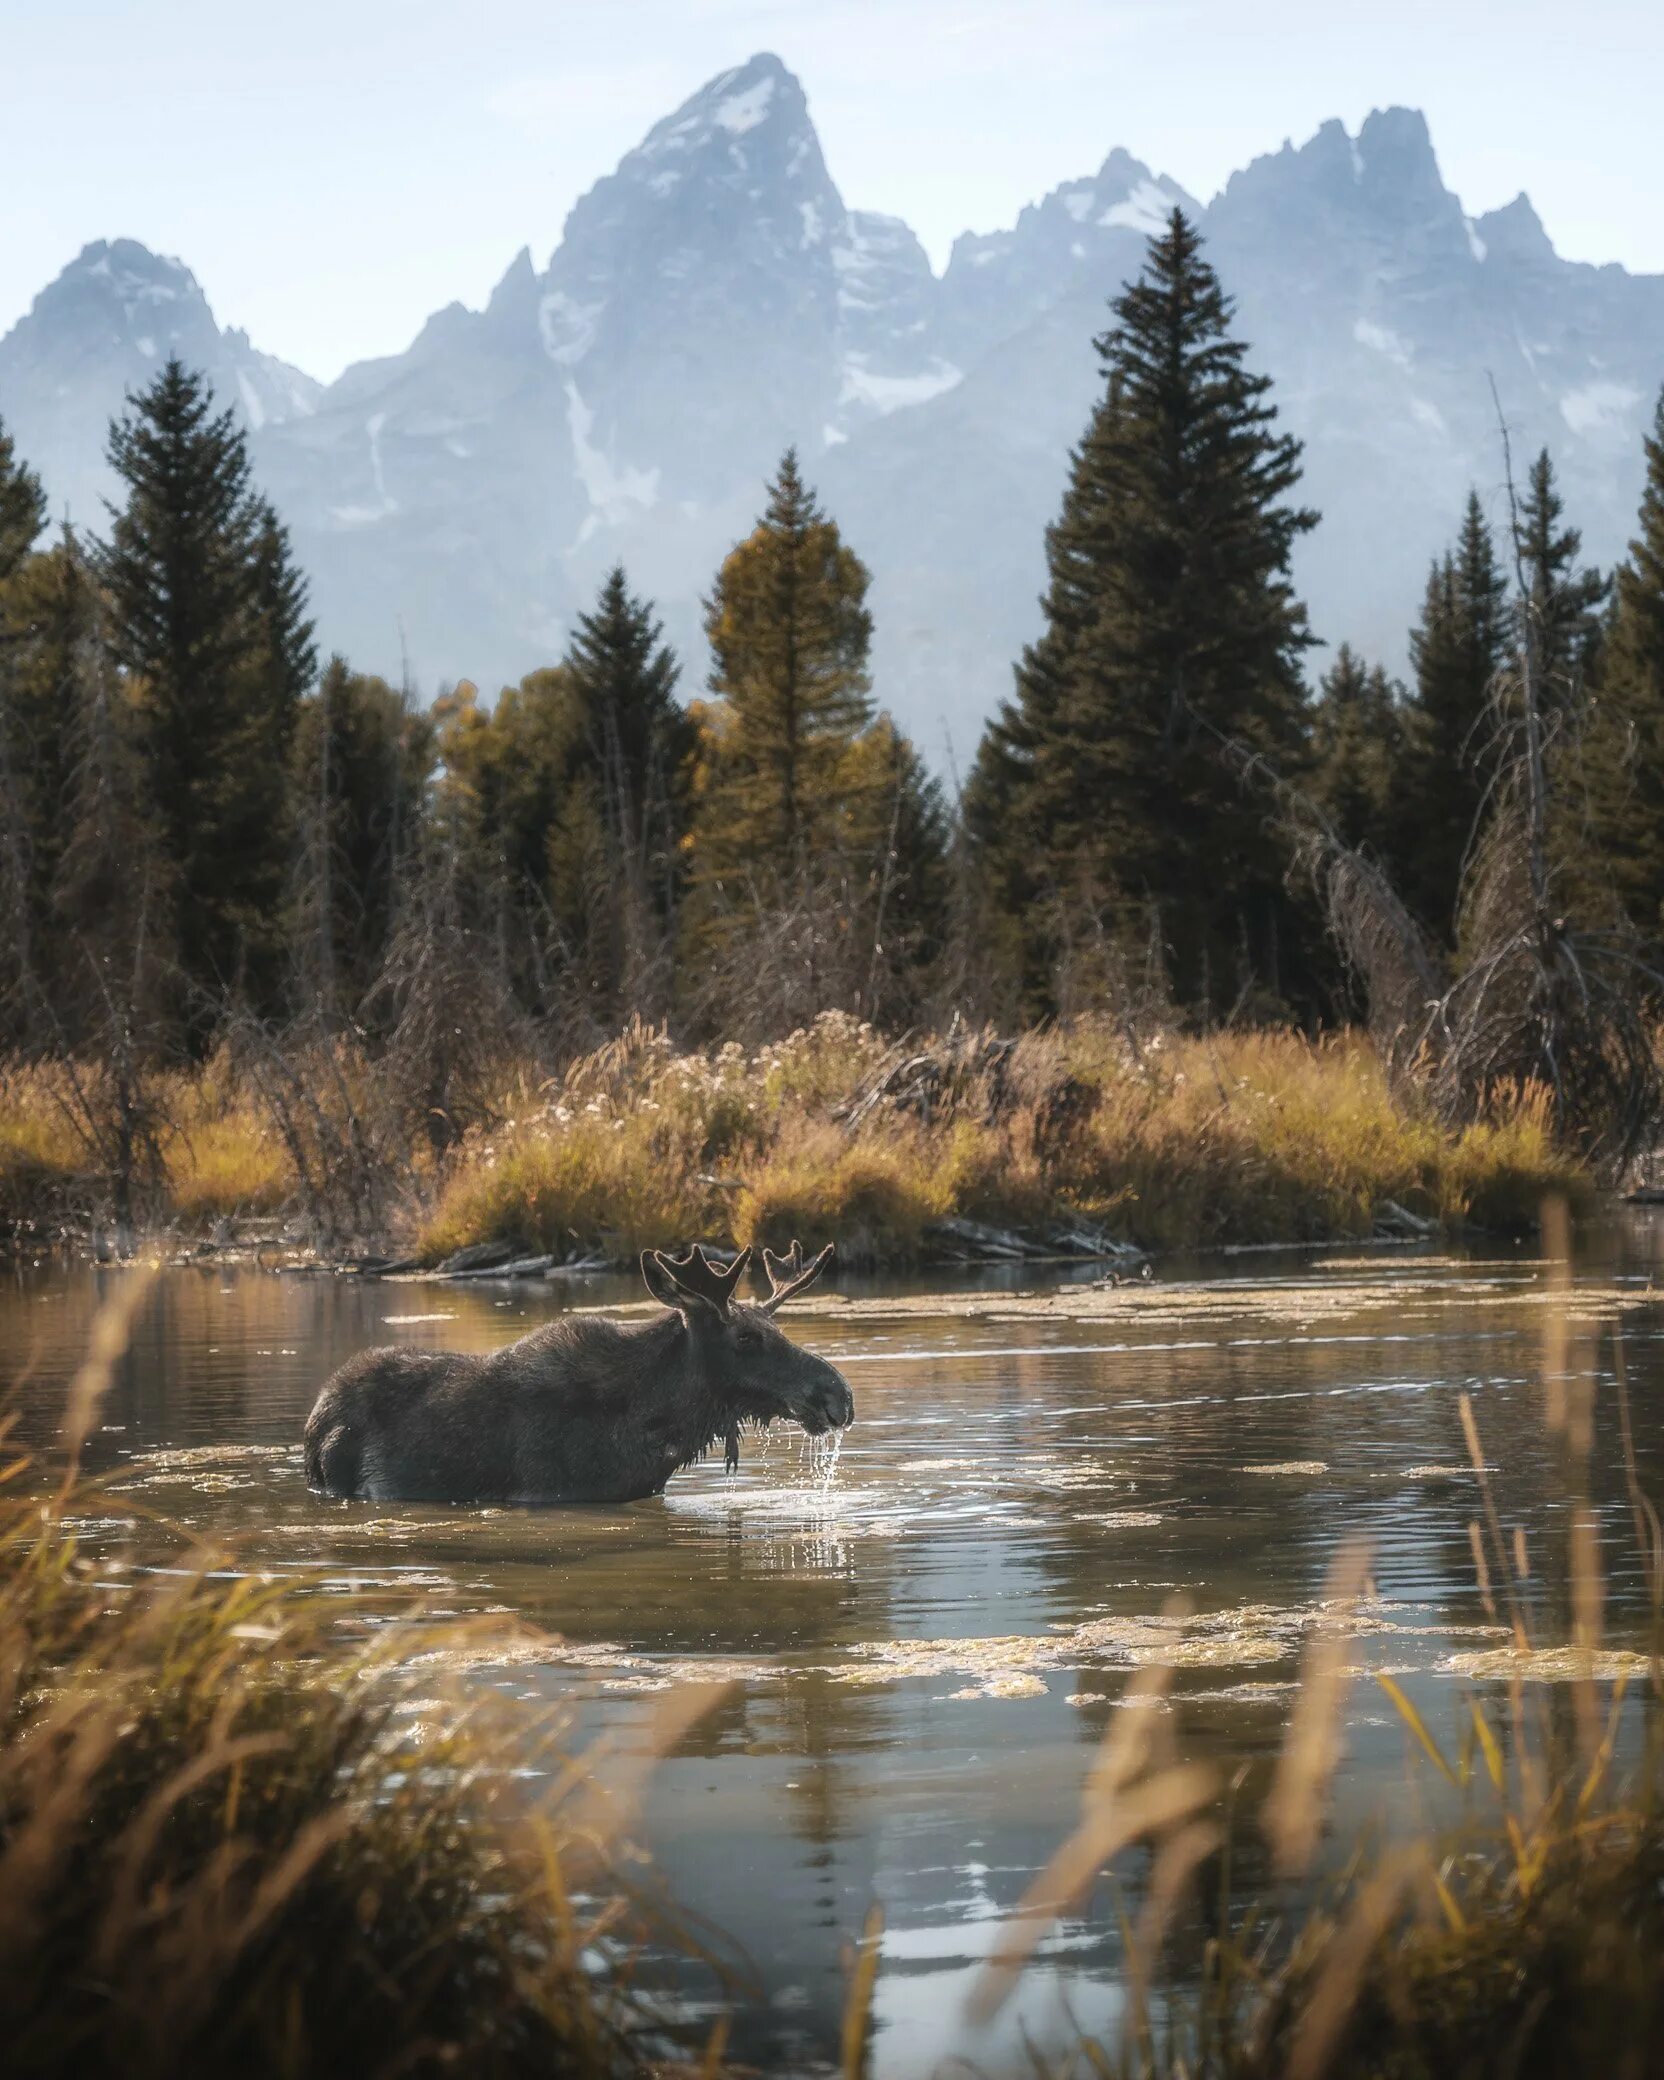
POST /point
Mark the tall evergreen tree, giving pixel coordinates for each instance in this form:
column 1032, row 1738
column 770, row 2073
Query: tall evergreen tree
column 1457, row 649
column 1173, row 633
column 283, row 659
column 629, row 795
column 817, row 839
column 1016, row 877
column 1356, row 748
column 1623, row 760
column 116, row 992
column 568, row 805
column 901, row 831
column 22, row 507
column 789, row 632
column 48, row 625
column 207, row 618
column 1562, row 599
column 361, row 763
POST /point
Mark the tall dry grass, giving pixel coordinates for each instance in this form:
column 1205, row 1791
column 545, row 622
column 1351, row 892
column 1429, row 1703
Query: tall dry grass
column 1168, row 1143
column 1523, row 1937
column 1181, row 1143
column 218, row 1157
column 228, row 1845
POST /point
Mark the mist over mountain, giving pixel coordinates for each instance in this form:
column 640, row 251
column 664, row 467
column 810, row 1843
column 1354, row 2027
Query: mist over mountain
column 713, row 299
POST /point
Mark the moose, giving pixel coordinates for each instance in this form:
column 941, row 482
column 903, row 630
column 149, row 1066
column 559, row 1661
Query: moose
column 584, row 1409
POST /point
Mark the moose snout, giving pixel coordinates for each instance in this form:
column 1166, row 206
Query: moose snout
column 827, row 1402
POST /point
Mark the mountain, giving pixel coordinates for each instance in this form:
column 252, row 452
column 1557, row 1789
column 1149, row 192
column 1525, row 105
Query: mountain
column 102, row 329
column 714, row 298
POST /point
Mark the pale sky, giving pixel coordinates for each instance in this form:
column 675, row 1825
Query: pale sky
column 335, row 170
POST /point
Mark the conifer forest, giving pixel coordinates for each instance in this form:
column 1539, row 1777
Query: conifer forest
column 368, row 918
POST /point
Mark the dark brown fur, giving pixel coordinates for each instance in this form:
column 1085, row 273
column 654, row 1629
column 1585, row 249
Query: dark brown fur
column 583, row 1410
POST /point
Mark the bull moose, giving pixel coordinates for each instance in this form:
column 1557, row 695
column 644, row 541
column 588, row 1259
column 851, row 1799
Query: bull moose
column 584, row 1409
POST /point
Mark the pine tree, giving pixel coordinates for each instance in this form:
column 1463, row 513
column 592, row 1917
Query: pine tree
column 1173, row 634
column 207, row 619
column 23, row 788
column 360, row 766
column 567, row 803
column 631, row 788
column 818, row 841
column 789, row 633
column 1457, row 649
column 901, row 832
column 116, row 996
column 1623, row 761
column 1014, row 878
column 1561, row 601
column 22, row 507
column 48, row 620
column 283, row 659
column 1356, row 747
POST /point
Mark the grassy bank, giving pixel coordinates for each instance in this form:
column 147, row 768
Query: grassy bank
column 215, row 1155
column 835, row 1132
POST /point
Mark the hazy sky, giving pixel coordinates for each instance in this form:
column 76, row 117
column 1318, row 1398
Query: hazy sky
column 335, row 170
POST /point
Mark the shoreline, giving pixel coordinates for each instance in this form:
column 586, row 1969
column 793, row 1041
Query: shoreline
column 1076, row 1145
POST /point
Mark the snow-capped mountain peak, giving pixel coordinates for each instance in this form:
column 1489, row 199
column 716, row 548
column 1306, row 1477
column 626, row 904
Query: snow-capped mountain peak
column 102, row 331
column 713, row 299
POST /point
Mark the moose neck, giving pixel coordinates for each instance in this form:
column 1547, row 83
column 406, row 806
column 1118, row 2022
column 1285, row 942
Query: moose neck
column 689, row 1411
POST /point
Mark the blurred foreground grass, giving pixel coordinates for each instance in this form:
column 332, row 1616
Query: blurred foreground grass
column 230, row 1845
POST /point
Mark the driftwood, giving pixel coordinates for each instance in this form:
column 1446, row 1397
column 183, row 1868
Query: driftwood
column 977, row 1242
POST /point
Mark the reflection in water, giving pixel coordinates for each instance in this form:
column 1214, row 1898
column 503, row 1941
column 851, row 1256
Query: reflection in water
column 929, row 1626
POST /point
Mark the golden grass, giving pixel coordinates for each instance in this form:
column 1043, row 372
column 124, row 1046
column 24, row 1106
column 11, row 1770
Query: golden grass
column 1238, row 1138
column 221, row 1157
column 1252, row 1137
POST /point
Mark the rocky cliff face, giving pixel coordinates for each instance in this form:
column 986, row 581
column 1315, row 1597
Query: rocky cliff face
column 713, row 299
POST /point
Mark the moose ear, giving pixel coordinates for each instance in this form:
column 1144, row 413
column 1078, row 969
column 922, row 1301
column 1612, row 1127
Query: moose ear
column 657, row 1278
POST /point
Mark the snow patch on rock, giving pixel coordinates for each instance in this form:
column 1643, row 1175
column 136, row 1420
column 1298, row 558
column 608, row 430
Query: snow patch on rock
column 1381, row 339
column 1596, row 406
column 886, row 394
column 744, row 111
column 1146, row 209
column 385, row 503
column 566, row 327
column 614, row 493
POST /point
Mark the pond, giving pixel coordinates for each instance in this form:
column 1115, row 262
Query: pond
column 925, row 1633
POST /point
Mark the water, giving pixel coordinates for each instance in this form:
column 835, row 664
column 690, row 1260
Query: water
column 925, row 1633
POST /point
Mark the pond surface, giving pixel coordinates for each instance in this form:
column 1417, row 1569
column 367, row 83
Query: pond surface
column 925, row 1635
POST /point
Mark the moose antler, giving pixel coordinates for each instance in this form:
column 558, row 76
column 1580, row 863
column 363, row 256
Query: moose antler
column 701, row 1279
column 789, row 1274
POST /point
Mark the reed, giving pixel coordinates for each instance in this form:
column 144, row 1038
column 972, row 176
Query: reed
column 1184, row 1143
column 1170, row 1143
column 1524, row 1936
column 228, row 1844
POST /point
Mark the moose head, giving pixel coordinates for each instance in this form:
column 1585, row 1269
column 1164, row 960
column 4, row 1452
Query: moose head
column 748, row 1367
